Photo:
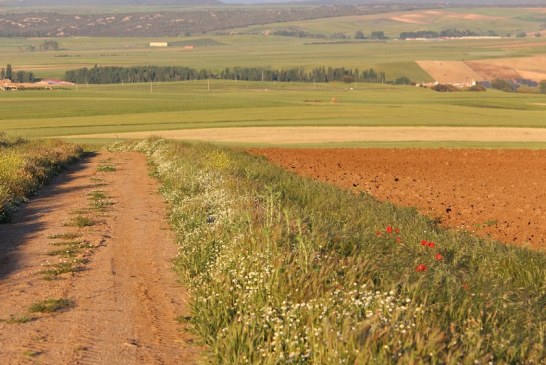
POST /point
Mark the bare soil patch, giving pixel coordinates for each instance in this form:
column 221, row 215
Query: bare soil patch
column 410, row 18
column 453, row 72
column 302, row 135
column 534, row 67
column 494, row 193
column 471, row 16
column 450, row 72
column 491, row 72
column 122, row 303
column 430, row 16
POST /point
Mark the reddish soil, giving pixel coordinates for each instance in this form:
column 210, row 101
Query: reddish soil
column 126, row 297
column 496, row 193
column 492, row 72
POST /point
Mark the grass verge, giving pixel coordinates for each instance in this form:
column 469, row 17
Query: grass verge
column 27, row 165
column 283, row 269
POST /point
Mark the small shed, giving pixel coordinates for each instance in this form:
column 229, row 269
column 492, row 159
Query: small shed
column 159, row 44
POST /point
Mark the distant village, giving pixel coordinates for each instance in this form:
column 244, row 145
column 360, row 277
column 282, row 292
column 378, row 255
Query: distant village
column 48, row 84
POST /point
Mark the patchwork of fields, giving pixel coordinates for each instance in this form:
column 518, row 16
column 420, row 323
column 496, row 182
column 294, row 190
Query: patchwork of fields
column 297, row 237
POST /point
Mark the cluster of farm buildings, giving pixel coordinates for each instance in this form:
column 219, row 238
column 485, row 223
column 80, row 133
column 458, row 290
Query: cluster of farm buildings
column 7, row 85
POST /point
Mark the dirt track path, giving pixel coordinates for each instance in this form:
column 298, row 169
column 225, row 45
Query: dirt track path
column 126, row 298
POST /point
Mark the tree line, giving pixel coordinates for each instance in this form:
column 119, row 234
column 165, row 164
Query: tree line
column 117, row 74
column 19, row 76
column 453, row 33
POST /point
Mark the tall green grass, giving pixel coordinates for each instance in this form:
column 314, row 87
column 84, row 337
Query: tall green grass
column 27, row 165
column 286, row 270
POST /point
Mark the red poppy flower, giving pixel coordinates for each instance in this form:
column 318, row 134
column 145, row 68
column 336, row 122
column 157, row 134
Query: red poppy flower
column 378, row 234
column 397, row 230
column 431, row 244
column 398, row 239
column 438, row 257
column 421, row 268
column 424, row 242
column 389, row 229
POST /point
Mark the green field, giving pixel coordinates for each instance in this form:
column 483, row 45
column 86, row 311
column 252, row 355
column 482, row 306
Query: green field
column 395, row 58
column 132, row 107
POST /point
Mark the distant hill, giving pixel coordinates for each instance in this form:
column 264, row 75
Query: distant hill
column 108, row 2
column 455, row 3
column 420, row 3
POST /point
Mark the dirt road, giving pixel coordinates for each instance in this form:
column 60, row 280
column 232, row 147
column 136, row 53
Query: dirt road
column 122, row 296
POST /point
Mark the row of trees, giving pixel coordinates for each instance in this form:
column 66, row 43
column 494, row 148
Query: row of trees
column 297, row 34
column 19, row 76
column 338, row 35
column 453, row 32
column 522, row 85
column 377, row 34
column 114, row 74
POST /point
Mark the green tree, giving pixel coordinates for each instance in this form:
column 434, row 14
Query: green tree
column 2, row 73
column 348, row 79
column 49, row 46
column 504, row 85
column 359, row 35
column 402, row 81
column 542, row 86
column 378, row 34
column 9, row 72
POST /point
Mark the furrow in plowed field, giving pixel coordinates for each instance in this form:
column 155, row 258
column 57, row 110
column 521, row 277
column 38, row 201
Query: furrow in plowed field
column 122, row 295
column 496, row 193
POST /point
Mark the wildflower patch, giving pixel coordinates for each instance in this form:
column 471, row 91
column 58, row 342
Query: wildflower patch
column 285, row 270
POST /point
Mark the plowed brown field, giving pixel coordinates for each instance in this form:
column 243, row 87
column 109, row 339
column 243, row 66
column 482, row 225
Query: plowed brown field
column 496, row 193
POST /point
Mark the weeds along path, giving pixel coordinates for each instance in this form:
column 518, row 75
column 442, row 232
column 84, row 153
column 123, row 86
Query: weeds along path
column 86, row 274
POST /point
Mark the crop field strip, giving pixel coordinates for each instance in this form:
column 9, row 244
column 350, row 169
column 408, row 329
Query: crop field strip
column 174, row 106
